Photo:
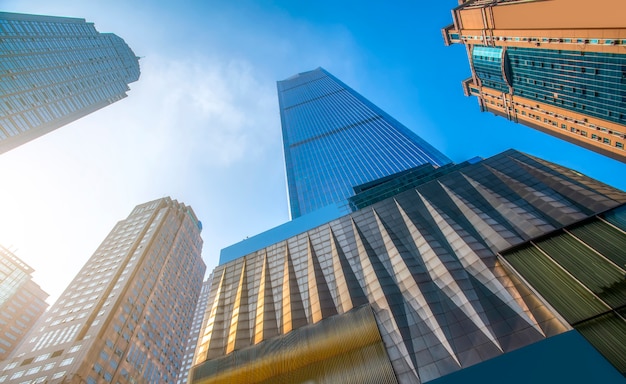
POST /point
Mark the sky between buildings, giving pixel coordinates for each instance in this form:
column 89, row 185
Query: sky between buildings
column 202, row 123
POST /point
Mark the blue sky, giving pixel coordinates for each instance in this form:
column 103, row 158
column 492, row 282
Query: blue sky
column 202, row 123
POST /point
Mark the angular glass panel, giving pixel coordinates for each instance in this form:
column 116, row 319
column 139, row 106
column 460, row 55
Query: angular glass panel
column 607, row 240
column 607, row 334
column 617, row 217
column 488, row 66
column 591, row 269
column 564, row 293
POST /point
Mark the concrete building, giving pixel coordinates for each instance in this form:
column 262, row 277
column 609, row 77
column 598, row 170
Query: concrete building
column 194, row 333
column 558, row 66
column 22, row 301
column 54, row 70
column 126, row 316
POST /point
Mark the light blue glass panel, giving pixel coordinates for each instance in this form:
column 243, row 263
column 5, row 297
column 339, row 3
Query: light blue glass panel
column 335, row 139
column 591, row 83
column 488, row 63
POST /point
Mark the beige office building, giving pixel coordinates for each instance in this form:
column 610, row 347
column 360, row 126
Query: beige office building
column 22, row 301
column 126, row 316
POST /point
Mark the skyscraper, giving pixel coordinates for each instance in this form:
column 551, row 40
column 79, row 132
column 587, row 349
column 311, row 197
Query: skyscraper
column 22, row 301
column 54, row 70
column 412, row 287
column 194, row 332
column 125, row 317
column 335, row 139
column 558, row 66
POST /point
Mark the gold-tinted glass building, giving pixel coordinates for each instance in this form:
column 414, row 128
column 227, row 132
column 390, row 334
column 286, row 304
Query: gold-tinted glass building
column 558, row 66
column 22, row 301
column 126, row 316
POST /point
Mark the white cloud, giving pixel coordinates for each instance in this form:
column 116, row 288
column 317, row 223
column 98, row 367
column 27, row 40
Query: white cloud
column 182, row 121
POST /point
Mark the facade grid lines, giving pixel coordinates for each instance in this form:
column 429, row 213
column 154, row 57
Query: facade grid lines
column 54, row 70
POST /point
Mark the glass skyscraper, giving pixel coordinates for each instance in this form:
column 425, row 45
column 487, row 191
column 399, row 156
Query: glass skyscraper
column 334, row 139
column 552, row 66
column 425, row 279
column 54, row 70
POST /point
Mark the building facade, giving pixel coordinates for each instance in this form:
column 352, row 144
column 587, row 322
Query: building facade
column 54, row 70
column 558, row 66
column 22, row 302
column 126, row 316
column 194, row 333
column 412, row 286
column 328, row 126
column 428, row 264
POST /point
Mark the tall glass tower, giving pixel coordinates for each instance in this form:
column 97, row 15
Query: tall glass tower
column 54, row 70
column 334, row 139
column 427, row 273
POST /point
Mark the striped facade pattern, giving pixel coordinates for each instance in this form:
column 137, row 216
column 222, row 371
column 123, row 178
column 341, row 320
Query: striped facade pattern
column 425, row 261
column 54, row 70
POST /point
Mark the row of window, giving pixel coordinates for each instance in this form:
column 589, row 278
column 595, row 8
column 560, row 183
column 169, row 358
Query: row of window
column 601, row 138
column 539, row 40
column 44, row 28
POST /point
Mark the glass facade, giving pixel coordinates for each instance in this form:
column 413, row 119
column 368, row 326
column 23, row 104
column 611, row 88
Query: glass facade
column 341, row 349
column 426, row 262
column 334, row 139
column 54, row 70
column 489, row 67
column 581, row 272
column 591, row 83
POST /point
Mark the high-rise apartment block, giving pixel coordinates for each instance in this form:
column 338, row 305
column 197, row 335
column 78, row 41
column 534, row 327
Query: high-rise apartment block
column 328, row 151
column 54, row 70
column 558, row 66
column 194, row 333
column 125, row 317
column 507, row 268
column 22, row 301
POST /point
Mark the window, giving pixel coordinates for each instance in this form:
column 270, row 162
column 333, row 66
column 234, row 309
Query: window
column 33, row 370
column 74, row 349
column 66, row 362
column 619, row 145
column 17, row 375
column 42, row 357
